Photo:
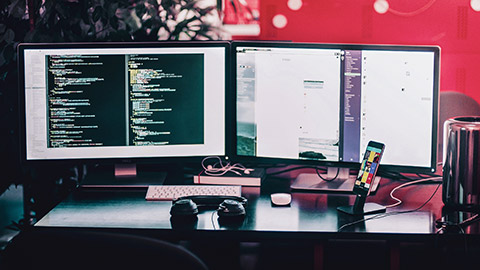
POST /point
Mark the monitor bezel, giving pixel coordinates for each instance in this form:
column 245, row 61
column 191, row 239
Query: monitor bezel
column 228, row 111
column 341, row 164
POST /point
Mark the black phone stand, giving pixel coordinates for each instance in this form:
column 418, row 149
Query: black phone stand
column 360, row 208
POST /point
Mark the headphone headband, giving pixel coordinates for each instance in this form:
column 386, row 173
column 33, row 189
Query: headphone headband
column 207, row 200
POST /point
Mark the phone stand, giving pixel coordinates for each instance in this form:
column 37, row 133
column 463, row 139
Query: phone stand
column 360, row 208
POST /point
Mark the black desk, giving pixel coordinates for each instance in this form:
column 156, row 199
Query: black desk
column 311, row 215
column 312, row 218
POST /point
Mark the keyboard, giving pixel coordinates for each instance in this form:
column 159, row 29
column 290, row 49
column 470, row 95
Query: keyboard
column 168, row 193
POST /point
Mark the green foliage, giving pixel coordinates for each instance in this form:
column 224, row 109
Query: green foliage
column 89, row 21
column 102, row 20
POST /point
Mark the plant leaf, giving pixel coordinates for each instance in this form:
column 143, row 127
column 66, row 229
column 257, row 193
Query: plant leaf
column 114, row 22
column 9, row 36
column 8, row 53
column 97, row 13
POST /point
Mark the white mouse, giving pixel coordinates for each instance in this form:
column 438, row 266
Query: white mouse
column 281, row 199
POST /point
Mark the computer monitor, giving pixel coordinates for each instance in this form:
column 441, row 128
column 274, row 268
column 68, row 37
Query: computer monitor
column 123, row 102
column 321, row 104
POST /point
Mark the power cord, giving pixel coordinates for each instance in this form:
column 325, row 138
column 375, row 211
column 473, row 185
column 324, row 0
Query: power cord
column 317, row 170
column 325, row 179
column 382, row 215
column 445, row 227
column 292, row 169
column 431, row 179
column 396, row 176
column 399, row 176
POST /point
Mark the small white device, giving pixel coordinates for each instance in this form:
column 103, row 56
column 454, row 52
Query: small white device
column 281, row 199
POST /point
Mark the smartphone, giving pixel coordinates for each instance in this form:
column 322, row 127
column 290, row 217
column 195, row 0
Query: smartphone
column 368, row 168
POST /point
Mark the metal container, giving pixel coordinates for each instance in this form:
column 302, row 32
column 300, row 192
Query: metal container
column 461, row 162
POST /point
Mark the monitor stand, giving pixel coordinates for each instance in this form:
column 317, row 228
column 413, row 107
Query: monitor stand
column 342, row 183
column 122, row 175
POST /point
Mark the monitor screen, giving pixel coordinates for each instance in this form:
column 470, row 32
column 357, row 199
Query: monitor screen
column 98, row 101
column 324, row 102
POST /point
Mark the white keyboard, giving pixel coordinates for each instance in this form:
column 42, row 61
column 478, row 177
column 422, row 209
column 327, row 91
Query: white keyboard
column 168, row 193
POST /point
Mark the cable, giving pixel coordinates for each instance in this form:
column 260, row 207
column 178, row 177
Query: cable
column 292, row 169
column 428, row 175
column 382, row 215
column 213, row 221
column 219, row 169
column 470, row 220
column 396, row 176
column 328, row 180
column 317, row 169
column 443, row 226
column 405, row 185
column 399, row 176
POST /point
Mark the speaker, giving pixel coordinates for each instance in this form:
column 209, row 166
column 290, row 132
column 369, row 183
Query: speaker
column 227, row 206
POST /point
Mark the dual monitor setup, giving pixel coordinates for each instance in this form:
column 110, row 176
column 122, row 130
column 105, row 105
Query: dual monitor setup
column 254, row 102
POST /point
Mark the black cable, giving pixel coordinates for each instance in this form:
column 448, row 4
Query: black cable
column 292, row 169
column 382, row 215
column 388, row 174
column 396, row 176
column 16, row 226
column 429, row 174
column 399, row 176
column 444, row 226
column 317, row 169
column 266, row 166
column 460, row 229
column 469, row 221
column 325, row 179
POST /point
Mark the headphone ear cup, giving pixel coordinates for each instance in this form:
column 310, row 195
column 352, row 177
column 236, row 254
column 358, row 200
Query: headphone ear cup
column 184, row 208
column 231, row 208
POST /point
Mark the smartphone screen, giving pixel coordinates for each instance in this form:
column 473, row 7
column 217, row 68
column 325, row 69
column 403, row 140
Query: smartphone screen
column 368, row 168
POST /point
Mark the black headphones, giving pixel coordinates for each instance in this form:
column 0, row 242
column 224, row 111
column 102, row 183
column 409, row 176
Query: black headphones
column 227, row 206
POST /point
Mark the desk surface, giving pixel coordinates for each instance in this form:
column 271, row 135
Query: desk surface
column 311, row 215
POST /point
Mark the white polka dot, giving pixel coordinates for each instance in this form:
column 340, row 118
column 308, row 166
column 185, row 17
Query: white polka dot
column 279, row 21
column 475, row 4
column 381, row 6
column 295, row 4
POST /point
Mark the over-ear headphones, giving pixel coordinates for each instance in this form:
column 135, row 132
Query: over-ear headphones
column 227, row 206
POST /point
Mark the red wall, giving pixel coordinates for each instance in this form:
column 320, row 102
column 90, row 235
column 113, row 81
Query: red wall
column 451, row 24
